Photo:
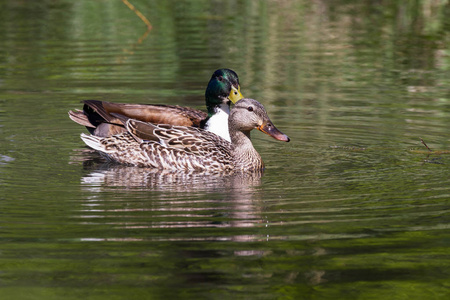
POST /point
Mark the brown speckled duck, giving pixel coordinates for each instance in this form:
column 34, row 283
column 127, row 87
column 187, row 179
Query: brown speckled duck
column 223, row 88
column 172, row 147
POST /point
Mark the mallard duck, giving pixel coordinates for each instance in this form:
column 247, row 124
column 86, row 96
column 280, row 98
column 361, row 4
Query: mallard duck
column 223, row 88
column 172, row 147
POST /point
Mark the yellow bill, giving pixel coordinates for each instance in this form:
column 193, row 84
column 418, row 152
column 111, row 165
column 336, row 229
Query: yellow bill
column 235, row 94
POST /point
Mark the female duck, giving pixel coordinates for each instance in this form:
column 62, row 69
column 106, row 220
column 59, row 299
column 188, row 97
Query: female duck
column 188, row 148
column 223, row 88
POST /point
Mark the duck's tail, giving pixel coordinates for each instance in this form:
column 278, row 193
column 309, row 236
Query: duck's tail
column 79, row 117
column 94, row 142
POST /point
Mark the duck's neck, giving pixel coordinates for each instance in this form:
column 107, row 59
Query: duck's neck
column 245, row 155
column 218, row 120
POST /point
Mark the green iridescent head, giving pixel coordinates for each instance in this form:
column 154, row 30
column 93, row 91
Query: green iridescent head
column 223, row 88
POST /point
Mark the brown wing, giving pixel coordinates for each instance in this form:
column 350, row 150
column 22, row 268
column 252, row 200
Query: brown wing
column 153, row 113
column 193, row 140
column 179, row 147
column 97, row 114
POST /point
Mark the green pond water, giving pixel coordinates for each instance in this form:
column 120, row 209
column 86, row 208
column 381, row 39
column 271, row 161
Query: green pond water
column 354, row 207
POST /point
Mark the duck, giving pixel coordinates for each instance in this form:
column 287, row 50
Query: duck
column 222, row 90
column 187, row 148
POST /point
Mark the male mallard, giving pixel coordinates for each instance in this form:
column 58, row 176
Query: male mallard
column 172, row 147
column 223, row 88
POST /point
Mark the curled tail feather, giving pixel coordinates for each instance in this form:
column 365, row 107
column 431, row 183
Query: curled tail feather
column 79, row 117
column 94, row 142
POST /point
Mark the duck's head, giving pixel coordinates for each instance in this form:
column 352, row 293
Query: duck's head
column 223, row 88
column 248, row 114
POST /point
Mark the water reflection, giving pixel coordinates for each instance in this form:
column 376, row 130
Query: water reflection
column 207, row 200
column 189, row 207
column 352, row 209
column 109, row 174
column 4, row 159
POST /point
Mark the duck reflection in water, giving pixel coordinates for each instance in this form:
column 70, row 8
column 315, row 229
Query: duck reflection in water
column 193, row 199
column 107, row 174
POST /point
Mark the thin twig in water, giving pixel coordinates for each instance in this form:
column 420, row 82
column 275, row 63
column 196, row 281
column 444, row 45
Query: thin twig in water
column 425, row 145
column 139, row 14
column 143, row 37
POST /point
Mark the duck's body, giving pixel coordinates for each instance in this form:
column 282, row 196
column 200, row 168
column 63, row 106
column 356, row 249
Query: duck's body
column 223, row 88
column 174, row 149
column 189, row 148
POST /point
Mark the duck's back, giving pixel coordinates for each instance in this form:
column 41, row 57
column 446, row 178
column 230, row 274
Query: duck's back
column 165, row 147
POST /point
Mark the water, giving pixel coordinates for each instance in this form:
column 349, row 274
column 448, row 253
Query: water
column 354, row 207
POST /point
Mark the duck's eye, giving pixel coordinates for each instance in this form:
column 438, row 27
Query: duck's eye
column 220, row 78
column 250, row 108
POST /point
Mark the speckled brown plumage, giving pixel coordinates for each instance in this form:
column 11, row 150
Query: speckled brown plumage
column 188, row 148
